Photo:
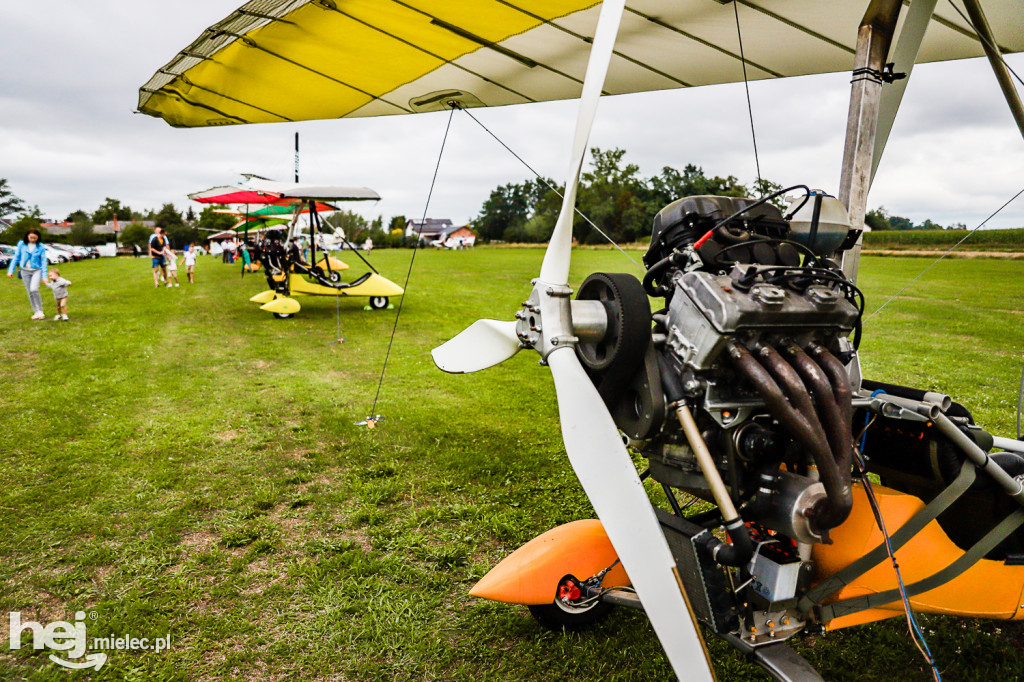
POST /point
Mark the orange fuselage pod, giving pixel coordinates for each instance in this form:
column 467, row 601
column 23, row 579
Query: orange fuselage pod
column 531, row 574
column 988, row 589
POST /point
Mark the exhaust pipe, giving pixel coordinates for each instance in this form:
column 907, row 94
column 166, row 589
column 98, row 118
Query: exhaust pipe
column 839, row 501
column 843, row 391
column 831, row 407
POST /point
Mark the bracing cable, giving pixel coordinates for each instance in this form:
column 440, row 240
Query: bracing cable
column 982, row 38
column 412, row 260
column 553, row 189
column 949, row 251
column 916, row 634
column 746, row 85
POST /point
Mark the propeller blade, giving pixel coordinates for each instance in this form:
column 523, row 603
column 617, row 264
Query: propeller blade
column 555, row 268
column 482, row 344
column 606, row 472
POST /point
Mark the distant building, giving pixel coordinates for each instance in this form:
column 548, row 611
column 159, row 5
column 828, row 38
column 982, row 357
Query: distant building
column 114, row 227
column 429, row 229
column 436, row 230
column 57, row 229
column 459, row 232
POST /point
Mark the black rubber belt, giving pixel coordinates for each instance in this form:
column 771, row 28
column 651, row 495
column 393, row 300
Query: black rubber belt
column 942, row 501
column 971, row 557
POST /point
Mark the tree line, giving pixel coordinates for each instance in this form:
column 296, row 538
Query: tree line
column 612, row 194
column 622, row 203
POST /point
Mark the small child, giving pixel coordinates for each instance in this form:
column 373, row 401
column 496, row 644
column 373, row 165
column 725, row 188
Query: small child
column 190, row 262
column 59, row 285
column 172, row 266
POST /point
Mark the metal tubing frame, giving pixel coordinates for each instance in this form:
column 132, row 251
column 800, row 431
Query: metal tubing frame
column 995, row 58
column 903, row 57
column 873, row 41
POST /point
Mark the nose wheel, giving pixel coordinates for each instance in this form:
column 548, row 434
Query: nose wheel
column 569, row 610
column 378, row 302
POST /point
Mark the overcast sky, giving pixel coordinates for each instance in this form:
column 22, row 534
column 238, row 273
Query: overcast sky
column 70, row 73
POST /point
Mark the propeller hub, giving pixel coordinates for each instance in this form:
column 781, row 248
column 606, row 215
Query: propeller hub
column 545, row 321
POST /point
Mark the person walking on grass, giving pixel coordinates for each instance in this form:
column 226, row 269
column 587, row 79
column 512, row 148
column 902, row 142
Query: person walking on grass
column 172, row 266
column 30, row 259
column 157, row 253
column 59, row 286
column 190, row 262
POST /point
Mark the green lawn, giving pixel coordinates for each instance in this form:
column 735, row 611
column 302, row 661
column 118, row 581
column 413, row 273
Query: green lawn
column 178, row 462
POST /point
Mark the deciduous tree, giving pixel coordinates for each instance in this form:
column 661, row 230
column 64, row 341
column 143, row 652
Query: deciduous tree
column 8, row 202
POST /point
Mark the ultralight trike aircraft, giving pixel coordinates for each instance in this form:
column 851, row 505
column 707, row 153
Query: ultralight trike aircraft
column 287, row 270
column 744, row 388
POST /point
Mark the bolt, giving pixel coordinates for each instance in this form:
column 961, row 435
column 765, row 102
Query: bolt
column 769, row 624
column 691, row 386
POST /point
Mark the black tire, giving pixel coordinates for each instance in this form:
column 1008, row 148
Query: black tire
column 335, row 276
column 378, row 302
column 283, row 316
column 558, row 616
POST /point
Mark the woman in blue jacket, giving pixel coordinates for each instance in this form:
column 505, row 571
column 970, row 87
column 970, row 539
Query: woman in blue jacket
column 30, row 256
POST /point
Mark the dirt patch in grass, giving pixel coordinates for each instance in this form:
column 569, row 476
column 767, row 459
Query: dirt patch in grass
column 227, row 435
column 198, row 541
column 927, row 253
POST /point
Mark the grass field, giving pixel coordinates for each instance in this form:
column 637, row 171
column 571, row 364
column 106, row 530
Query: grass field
column 179, row 463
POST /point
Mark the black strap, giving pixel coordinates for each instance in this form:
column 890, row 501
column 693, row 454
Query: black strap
column 968, row 559
column 942, row 501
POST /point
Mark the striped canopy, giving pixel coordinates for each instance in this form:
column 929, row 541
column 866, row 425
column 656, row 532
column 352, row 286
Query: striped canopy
column 282, row 194
column 292, row 60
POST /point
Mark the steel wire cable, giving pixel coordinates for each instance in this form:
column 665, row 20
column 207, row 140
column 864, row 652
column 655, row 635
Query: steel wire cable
column 554, row 189
column 412, row 260
column 939, row 259
column 746, row 86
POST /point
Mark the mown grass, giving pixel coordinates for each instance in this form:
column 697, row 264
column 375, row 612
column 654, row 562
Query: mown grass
column 180, row 463
column 982, row 240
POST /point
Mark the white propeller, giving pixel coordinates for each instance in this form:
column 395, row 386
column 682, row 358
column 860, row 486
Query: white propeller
column 482, row 344
column 592, row 441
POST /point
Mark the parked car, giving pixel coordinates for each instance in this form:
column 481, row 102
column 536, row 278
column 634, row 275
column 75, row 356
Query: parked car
column 55, row 256
column 69, row 251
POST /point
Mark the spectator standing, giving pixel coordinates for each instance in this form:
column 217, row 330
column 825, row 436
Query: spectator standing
column 59, row 286
column 190, row 262
column 157, row 252
column 30, row 259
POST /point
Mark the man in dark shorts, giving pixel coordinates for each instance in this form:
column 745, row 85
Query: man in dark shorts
column 157, row 247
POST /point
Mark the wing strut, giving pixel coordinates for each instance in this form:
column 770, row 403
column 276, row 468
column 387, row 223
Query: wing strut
column 995, row 57
column 873, row 41
column 904, row 55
